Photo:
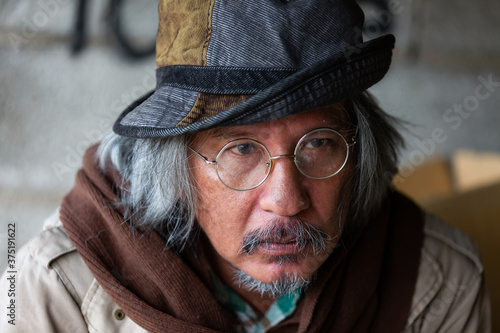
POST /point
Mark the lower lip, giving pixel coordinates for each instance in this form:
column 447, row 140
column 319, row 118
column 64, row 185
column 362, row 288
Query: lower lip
column 279, row 248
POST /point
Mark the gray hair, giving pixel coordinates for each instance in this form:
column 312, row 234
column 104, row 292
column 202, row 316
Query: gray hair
column 157, row 192
column 287, row 284
column 378, row 145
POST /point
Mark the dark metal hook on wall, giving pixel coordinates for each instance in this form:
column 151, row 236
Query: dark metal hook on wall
column 78, row 37
column 123, row 40
column 115, row 25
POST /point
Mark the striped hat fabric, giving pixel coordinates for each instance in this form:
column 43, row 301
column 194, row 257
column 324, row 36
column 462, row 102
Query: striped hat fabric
column 239, row 62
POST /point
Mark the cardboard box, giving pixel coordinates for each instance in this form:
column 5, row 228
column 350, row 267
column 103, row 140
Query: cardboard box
column 474, row 170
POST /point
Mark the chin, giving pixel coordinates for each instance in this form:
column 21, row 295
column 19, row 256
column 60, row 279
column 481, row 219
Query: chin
column 271, row 269
column 299, row 265
column 279, row 282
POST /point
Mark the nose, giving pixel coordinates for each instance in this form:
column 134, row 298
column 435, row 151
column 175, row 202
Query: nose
column 284, row 192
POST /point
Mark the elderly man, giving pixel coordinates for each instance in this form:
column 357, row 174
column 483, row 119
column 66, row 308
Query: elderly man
column 250, row 192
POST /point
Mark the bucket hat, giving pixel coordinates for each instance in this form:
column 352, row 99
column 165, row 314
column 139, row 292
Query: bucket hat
column 240, row 62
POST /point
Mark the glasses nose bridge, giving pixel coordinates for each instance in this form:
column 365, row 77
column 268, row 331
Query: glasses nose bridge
column 273, row 158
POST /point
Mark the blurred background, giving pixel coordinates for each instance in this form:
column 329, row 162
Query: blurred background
column 69, row 67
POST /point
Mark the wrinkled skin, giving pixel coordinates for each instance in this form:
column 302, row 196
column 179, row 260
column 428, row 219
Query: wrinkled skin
column 226, row 216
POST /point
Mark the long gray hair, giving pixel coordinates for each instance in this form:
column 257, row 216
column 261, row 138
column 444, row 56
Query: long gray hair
column 157, row 191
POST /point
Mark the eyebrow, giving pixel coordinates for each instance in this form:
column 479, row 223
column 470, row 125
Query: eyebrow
column 229, row 133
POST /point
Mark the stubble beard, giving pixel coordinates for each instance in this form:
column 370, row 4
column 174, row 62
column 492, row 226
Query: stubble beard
column 308, row 240
column 287, row 284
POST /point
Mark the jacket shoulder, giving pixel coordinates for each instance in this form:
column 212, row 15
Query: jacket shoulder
column 52, row 249
column 450, row 293
column 441, row 239
column 51, row 253
column 51, row 243
column 44, row 290
column 56, row 292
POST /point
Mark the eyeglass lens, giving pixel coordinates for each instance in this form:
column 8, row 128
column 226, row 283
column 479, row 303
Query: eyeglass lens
column 244, row 164
column 321, row 153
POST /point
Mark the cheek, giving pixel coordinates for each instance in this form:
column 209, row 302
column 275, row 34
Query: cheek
column 330, row 198
column 221, row 213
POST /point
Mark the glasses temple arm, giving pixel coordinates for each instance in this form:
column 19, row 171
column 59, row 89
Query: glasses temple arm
column 353, row 139
column 202, row 157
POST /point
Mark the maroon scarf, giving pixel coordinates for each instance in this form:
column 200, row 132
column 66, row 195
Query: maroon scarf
column 367, row 288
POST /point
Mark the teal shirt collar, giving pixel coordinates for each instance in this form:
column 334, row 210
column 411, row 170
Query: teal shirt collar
column 252, row 322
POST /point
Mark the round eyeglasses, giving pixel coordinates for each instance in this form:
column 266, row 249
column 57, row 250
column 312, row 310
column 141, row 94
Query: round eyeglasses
column 244, row 164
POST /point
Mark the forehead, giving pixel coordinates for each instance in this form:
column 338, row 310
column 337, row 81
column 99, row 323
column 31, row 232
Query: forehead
column 334, row 116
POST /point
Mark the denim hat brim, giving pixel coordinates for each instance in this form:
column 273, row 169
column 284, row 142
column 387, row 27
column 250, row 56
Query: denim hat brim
column 159, row 114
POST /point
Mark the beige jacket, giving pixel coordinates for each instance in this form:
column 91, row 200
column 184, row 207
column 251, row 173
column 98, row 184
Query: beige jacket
column 55, row 291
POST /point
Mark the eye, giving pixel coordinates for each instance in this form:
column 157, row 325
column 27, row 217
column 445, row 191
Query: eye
column 317, row 143
column 242, row 149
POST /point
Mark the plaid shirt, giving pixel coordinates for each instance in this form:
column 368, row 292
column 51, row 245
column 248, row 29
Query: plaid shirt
column 252, row 322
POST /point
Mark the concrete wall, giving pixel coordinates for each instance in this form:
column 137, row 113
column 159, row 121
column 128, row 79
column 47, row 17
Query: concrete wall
column 53, row 104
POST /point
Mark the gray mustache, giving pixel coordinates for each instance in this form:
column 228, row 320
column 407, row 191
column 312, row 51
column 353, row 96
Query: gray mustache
column 296, row 231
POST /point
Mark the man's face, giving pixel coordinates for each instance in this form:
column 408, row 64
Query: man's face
column 286, row 199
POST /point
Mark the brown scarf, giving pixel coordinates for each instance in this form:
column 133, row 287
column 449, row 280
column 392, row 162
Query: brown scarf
column 367, row 288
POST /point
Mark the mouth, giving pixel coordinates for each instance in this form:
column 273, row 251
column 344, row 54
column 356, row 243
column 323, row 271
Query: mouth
column 285, row 239
column 281, row 247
